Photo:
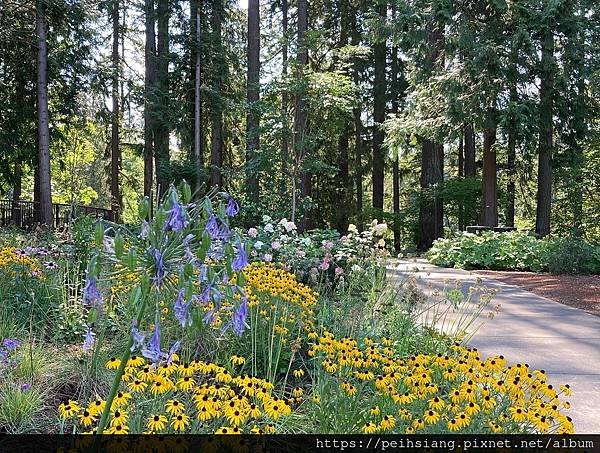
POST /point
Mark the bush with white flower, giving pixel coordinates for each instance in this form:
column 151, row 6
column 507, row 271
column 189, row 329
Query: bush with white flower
column 318, row 257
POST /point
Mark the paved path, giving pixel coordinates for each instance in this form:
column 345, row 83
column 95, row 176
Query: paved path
column 531, row 329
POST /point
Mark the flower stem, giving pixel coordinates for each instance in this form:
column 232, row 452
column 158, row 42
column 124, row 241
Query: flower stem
column 120, row 371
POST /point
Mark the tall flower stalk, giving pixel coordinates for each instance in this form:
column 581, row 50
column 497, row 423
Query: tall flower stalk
column 188, row 254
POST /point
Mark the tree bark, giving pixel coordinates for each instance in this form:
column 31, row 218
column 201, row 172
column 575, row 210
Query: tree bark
column 300, row 114
column 544, row 186
column 253, row 96
column 284, row 95
column 115, row 202
column 149, row 96
column 395, row 90
column 198, row 137
column 469, row 134
column 216, row 139
column 489, row 196
column 379, row 100
column 45, row 188
column 358, row 130
column 431, row 211
column 431, row 220
column 162, row 134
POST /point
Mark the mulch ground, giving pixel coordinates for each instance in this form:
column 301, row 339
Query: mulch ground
column 579, row 291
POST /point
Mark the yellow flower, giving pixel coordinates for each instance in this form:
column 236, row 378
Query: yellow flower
column 174, row 407
column 375, row 411
column 518, row 414
column 436, row 403
column 113, row 363
column 566, row 389
column 121, row 399
column 96, row 407
column 137, row 386
column 228, row 430
column 431, row 417
column 180, row 422
column 388, row 422
column 369, row 428
column 86, row 418
column 270, row 428
column 67, row 410
column 297, row 392
column 453, row 425
column 119, row 418
column 117, row 429
column 186, row 383
column 135, row 361
column 237, row 360
column 235, row 417
column 495, row 427
column 159, row 387
column 298, row 373
column 157, row 422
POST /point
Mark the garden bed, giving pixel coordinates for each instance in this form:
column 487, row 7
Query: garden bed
column 579, row 291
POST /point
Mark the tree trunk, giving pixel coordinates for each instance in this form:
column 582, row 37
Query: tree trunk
column 149, row 96
column 395, row 89
column 358, row 130
column 253, row 96
column 16, row 195
column 379, row 100
column 162, row 134
column 431, row 211
column 431, row 220
column 469, row 133
column 115, row 202
column 45, row 188
column 300, row 114
column 196, row 62
column 489, row 196
column 216, row 139
column 544, row 186
column 284, row 95
column 510, row 163
column 461, row 174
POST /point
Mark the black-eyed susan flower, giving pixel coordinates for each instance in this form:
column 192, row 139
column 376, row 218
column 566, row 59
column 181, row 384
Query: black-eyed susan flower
column 135, row 361
column 518, row 414
column 431, row 417
column 113, row 363
column 297, row 392
column 186, row 383
column 119, row 417
column 298, row 373
column 121, row 398
column 453, row 425
column 86, row 418
column 388, row 422
column 436, row 403
column 68, row 409
column 157, row 423
column 118, row 429
column 180, row 422
column 235, row 417
column 370, row 428
column 237, row 359
column 375, row 411
column 96, row 407
column 174, row 407
column 137, row 385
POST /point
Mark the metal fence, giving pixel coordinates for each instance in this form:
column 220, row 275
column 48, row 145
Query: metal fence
column 23, row 214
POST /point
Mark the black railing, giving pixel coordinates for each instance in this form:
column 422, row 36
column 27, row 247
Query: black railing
column 23, row 214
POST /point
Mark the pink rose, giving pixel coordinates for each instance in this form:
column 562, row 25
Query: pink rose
column 252, row 232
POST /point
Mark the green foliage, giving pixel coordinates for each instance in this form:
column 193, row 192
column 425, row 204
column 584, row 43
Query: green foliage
column 515, row 251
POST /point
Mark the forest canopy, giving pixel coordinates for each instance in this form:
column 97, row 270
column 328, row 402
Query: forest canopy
column 430, row 115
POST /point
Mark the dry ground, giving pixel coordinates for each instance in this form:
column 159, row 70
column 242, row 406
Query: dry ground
column 579, row 291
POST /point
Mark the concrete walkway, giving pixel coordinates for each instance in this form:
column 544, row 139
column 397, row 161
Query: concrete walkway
column 531, row 329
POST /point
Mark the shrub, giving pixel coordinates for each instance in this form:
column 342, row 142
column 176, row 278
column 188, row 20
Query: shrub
column 515, row 251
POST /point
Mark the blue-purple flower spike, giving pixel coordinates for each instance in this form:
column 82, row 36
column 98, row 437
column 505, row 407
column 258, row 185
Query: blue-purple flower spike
column 177, row 220
column 89, row 339
column 91, row 295
column 182, row 310
column 232, row 207
column 152, row 350
column 159, row 265
column 212, row 227
column 241, row 259
column 239, row 317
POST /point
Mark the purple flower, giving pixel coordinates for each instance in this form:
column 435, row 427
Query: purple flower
column 89, row 339
column 91, row 295
column 232, row 207
column 145, row 230
column 238, row 320
column 182, row 310
column 189, row 255
column 212, row 227
column 241, row 259
column 210, row 316
column 177, row 220
column 25, row 387
column 159, row 265
column 11, row 343
column 152, row 350
column 138, row 338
